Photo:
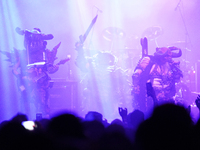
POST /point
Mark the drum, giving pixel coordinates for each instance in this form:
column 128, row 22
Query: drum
column 105, row 59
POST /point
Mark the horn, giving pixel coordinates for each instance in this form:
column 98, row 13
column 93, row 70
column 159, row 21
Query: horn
column 57, row 46
column 175, row 55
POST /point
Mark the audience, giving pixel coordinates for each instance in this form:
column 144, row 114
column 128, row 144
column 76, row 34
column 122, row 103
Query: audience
column 169, row 127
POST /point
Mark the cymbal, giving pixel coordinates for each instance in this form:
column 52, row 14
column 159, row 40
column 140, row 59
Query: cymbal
column 180, row 44
column 152, row 32
column 128, row 49
column 112, row 33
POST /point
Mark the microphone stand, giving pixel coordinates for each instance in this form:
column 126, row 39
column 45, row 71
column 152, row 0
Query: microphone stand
column 187, row 37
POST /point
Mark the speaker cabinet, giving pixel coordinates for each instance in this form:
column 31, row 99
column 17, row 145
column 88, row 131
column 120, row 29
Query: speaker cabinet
column 63, row 96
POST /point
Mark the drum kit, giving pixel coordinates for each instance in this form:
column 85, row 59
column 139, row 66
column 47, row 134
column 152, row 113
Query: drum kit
column 125, row 54
column 129, row 52
column 128, row 56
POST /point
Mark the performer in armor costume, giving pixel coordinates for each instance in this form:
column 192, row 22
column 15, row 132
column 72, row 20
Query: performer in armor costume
column 31, row 67
column 162, row 72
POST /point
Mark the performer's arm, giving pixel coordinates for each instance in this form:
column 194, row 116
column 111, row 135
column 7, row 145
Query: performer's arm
column 81, row 61
column 123, row 113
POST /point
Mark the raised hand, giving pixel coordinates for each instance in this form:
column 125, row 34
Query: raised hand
column 197, row 102
column 123, row 113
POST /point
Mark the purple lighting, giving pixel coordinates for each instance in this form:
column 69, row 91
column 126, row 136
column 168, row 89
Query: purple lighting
column 112, row 49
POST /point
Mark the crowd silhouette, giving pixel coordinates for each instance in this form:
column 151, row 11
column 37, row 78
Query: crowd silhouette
column 170, row 126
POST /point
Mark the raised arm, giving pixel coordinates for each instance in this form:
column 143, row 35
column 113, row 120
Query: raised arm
column 137, row 76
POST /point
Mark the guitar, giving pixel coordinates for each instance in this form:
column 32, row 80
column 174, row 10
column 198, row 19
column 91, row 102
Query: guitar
column 52, row 69
column 43, row 74
column 82, row 38
column 35, row 77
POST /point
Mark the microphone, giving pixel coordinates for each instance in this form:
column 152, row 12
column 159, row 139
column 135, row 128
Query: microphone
column 177, row 5
column 98, row 9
